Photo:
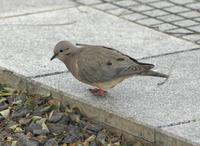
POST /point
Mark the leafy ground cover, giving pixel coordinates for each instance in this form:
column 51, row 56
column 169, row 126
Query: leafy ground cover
column 33, row 120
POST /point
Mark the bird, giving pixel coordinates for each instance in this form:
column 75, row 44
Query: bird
column 100, row 66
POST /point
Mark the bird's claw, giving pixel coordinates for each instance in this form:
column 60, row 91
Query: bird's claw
column 98, row 92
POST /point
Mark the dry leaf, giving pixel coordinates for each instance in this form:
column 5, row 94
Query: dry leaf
column 54, row 103
column 5, row 113
column 41, row 122
column 14, row 143
column 40, row 138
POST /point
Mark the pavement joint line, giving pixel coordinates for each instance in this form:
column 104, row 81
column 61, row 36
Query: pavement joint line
column 80, row 3
column 47, row 74
column 59, row 24
column 37, row 12
column 193, row 18
column 182, row 33
column 170, row 53
column 178, row 123
column 187, row 26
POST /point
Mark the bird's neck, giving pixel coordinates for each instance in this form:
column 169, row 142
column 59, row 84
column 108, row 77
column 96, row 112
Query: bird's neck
column 71, row 63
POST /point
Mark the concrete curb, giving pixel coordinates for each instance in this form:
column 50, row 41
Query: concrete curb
column 130, row 129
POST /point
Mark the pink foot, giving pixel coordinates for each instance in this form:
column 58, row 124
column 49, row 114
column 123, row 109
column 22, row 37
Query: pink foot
column 98, row 92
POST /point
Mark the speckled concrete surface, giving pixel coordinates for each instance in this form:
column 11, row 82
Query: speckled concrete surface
column 33, row 37
column 13, row 8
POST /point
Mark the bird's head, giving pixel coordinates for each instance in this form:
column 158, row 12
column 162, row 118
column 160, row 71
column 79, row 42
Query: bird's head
column 63, row 50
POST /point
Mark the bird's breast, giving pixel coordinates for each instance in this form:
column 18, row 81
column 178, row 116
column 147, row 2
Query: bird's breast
column 109, row 84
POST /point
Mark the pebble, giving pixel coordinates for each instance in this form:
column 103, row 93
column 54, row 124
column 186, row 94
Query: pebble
column 55, row 117
column 51, row 142
column 21, row 112
column 24, row 141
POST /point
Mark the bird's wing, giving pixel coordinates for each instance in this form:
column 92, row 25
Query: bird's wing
column 101, row 64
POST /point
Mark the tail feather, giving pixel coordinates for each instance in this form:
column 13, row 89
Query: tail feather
column 154, row 73
column 146, row 66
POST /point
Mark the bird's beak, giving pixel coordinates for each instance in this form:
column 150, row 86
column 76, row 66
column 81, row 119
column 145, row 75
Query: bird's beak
column 54, row 56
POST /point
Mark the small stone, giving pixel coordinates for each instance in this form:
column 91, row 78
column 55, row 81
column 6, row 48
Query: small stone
column 73, row 135
column 41, row 139
column 1, row 118
column 75, row 117
column 24, row 121
column 83, row 123
column 51, row 142
column 10, row 99
column 4, row 144
column 19, row 99
column 24, row 141
column 33, row 127
column 40, row 131
column 101, row 137
column 56, row 128
column 94, row 143
column 42, row 110
column 94, row 127
column 70, row 138
column 3, row 106
column 65, row 120
column 55, row 117
column 21, row 112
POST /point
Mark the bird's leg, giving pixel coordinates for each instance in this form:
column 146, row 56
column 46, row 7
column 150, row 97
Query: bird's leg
column 98, row 92
column 94, row 90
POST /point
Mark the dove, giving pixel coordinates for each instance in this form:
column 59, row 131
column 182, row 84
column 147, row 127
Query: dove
column 100, row 66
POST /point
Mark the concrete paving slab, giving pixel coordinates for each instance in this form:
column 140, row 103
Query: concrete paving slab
column 140, row 99
column 9, row 8
column 26, row 42
column 188, row 132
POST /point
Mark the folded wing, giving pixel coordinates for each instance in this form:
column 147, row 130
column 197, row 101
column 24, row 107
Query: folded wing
column 100, row 64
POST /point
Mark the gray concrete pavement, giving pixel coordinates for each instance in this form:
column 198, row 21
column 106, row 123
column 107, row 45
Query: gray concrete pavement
column 162, row 114
column 16, row 8
column 33, row 38
column 189, row 131
column 173, row 14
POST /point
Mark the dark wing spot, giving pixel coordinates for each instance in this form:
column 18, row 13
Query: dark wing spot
column 120, row 59
column 109, row 63
column 68, row 54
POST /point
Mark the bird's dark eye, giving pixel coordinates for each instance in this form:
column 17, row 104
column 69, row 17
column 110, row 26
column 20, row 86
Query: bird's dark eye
column 61, row 50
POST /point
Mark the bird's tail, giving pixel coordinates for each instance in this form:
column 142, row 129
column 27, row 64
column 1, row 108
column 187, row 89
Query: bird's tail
column 154, row 73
